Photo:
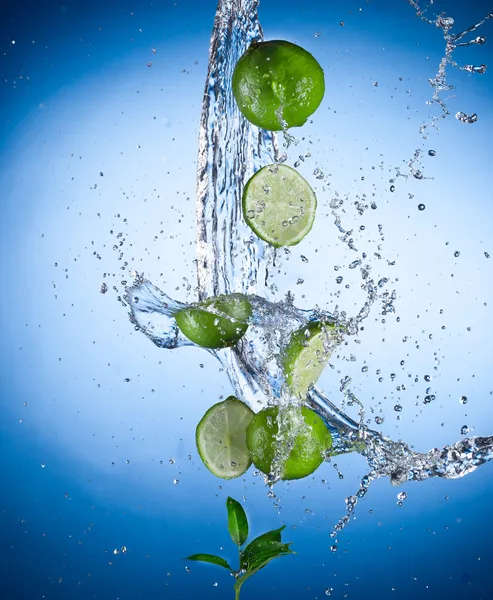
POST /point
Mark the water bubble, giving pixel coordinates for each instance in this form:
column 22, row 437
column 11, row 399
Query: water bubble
column 427, row 378
column 464, row 430
column 421, row 206
column 378, row 420
column 392, row 188
column 339, row 279
column 456, row 254
column 333, row 548
column 463, row 399
column 401, row 496
column 432, row 153
column 398, row 408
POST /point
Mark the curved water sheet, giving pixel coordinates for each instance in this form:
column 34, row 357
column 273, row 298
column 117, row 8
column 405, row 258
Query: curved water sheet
column 230, row 259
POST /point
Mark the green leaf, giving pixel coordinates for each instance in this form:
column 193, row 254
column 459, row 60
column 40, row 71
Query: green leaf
column 237, row 521
column 261, row 556
column 210, row 558
column 263, row 549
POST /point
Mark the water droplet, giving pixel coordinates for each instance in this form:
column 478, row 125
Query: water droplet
column 176, row 481
column 339, row 279
column 317, row 34
column 398, row 408
column 333, row 548
column 486, row 254
column 463, row 399
column 427, row 377
column 392, row 188
column 464, row 430
column 401, row 496
column 328, row 591
column 456, row 254
column 103, row 288
column 421, row 206
column 463, row 118
column 171, row 461
column 378, row 420
column 432, row 153
column 341, row 23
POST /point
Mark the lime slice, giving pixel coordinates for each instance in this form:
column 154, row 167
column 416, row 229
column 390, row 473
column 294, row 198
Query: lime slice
column 307, row 355
column 217, row 322
column 279, row 205
column 305, row 442
column 278, row 85
column 221, row 438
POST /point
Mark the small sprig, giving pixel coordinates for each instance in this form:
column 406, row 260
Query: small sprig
column 255, row 556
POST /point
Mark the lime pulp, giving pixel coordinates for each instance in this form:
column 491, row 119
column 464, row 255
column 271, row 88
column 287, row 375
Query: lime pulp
column 279, row 205
column 307, row 354
column 221, row 438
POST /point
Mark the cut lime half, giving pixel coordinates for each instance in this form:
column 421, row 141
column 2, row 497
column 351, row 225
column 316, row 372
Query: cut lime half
column 307, row 355
column 218, row 322
column 221, row 438
column 279, row 205
column 278, row 84
column 305, row 440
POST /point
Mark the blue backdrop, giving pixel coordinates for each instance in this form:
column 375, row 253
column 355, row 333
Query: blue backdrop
column 103, row 492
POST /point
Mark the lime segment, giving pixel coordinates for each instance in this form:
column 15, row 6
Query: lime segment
column 279, row 205
column 307, row 355
column 221, row 438
column 218, row 322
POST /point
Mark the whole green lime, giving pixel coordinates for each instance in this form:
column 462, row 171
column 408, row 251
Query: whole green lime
column 305, row 441
column 218, row 322
column 278, row 85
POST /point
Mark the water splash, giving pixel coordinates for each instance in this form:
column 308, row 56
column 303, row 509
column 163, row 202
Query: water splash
column 439, row 82
column 230, row 259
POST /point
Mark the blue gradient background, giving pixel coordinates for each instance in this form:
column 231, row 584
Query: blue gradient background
column 85, row 453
